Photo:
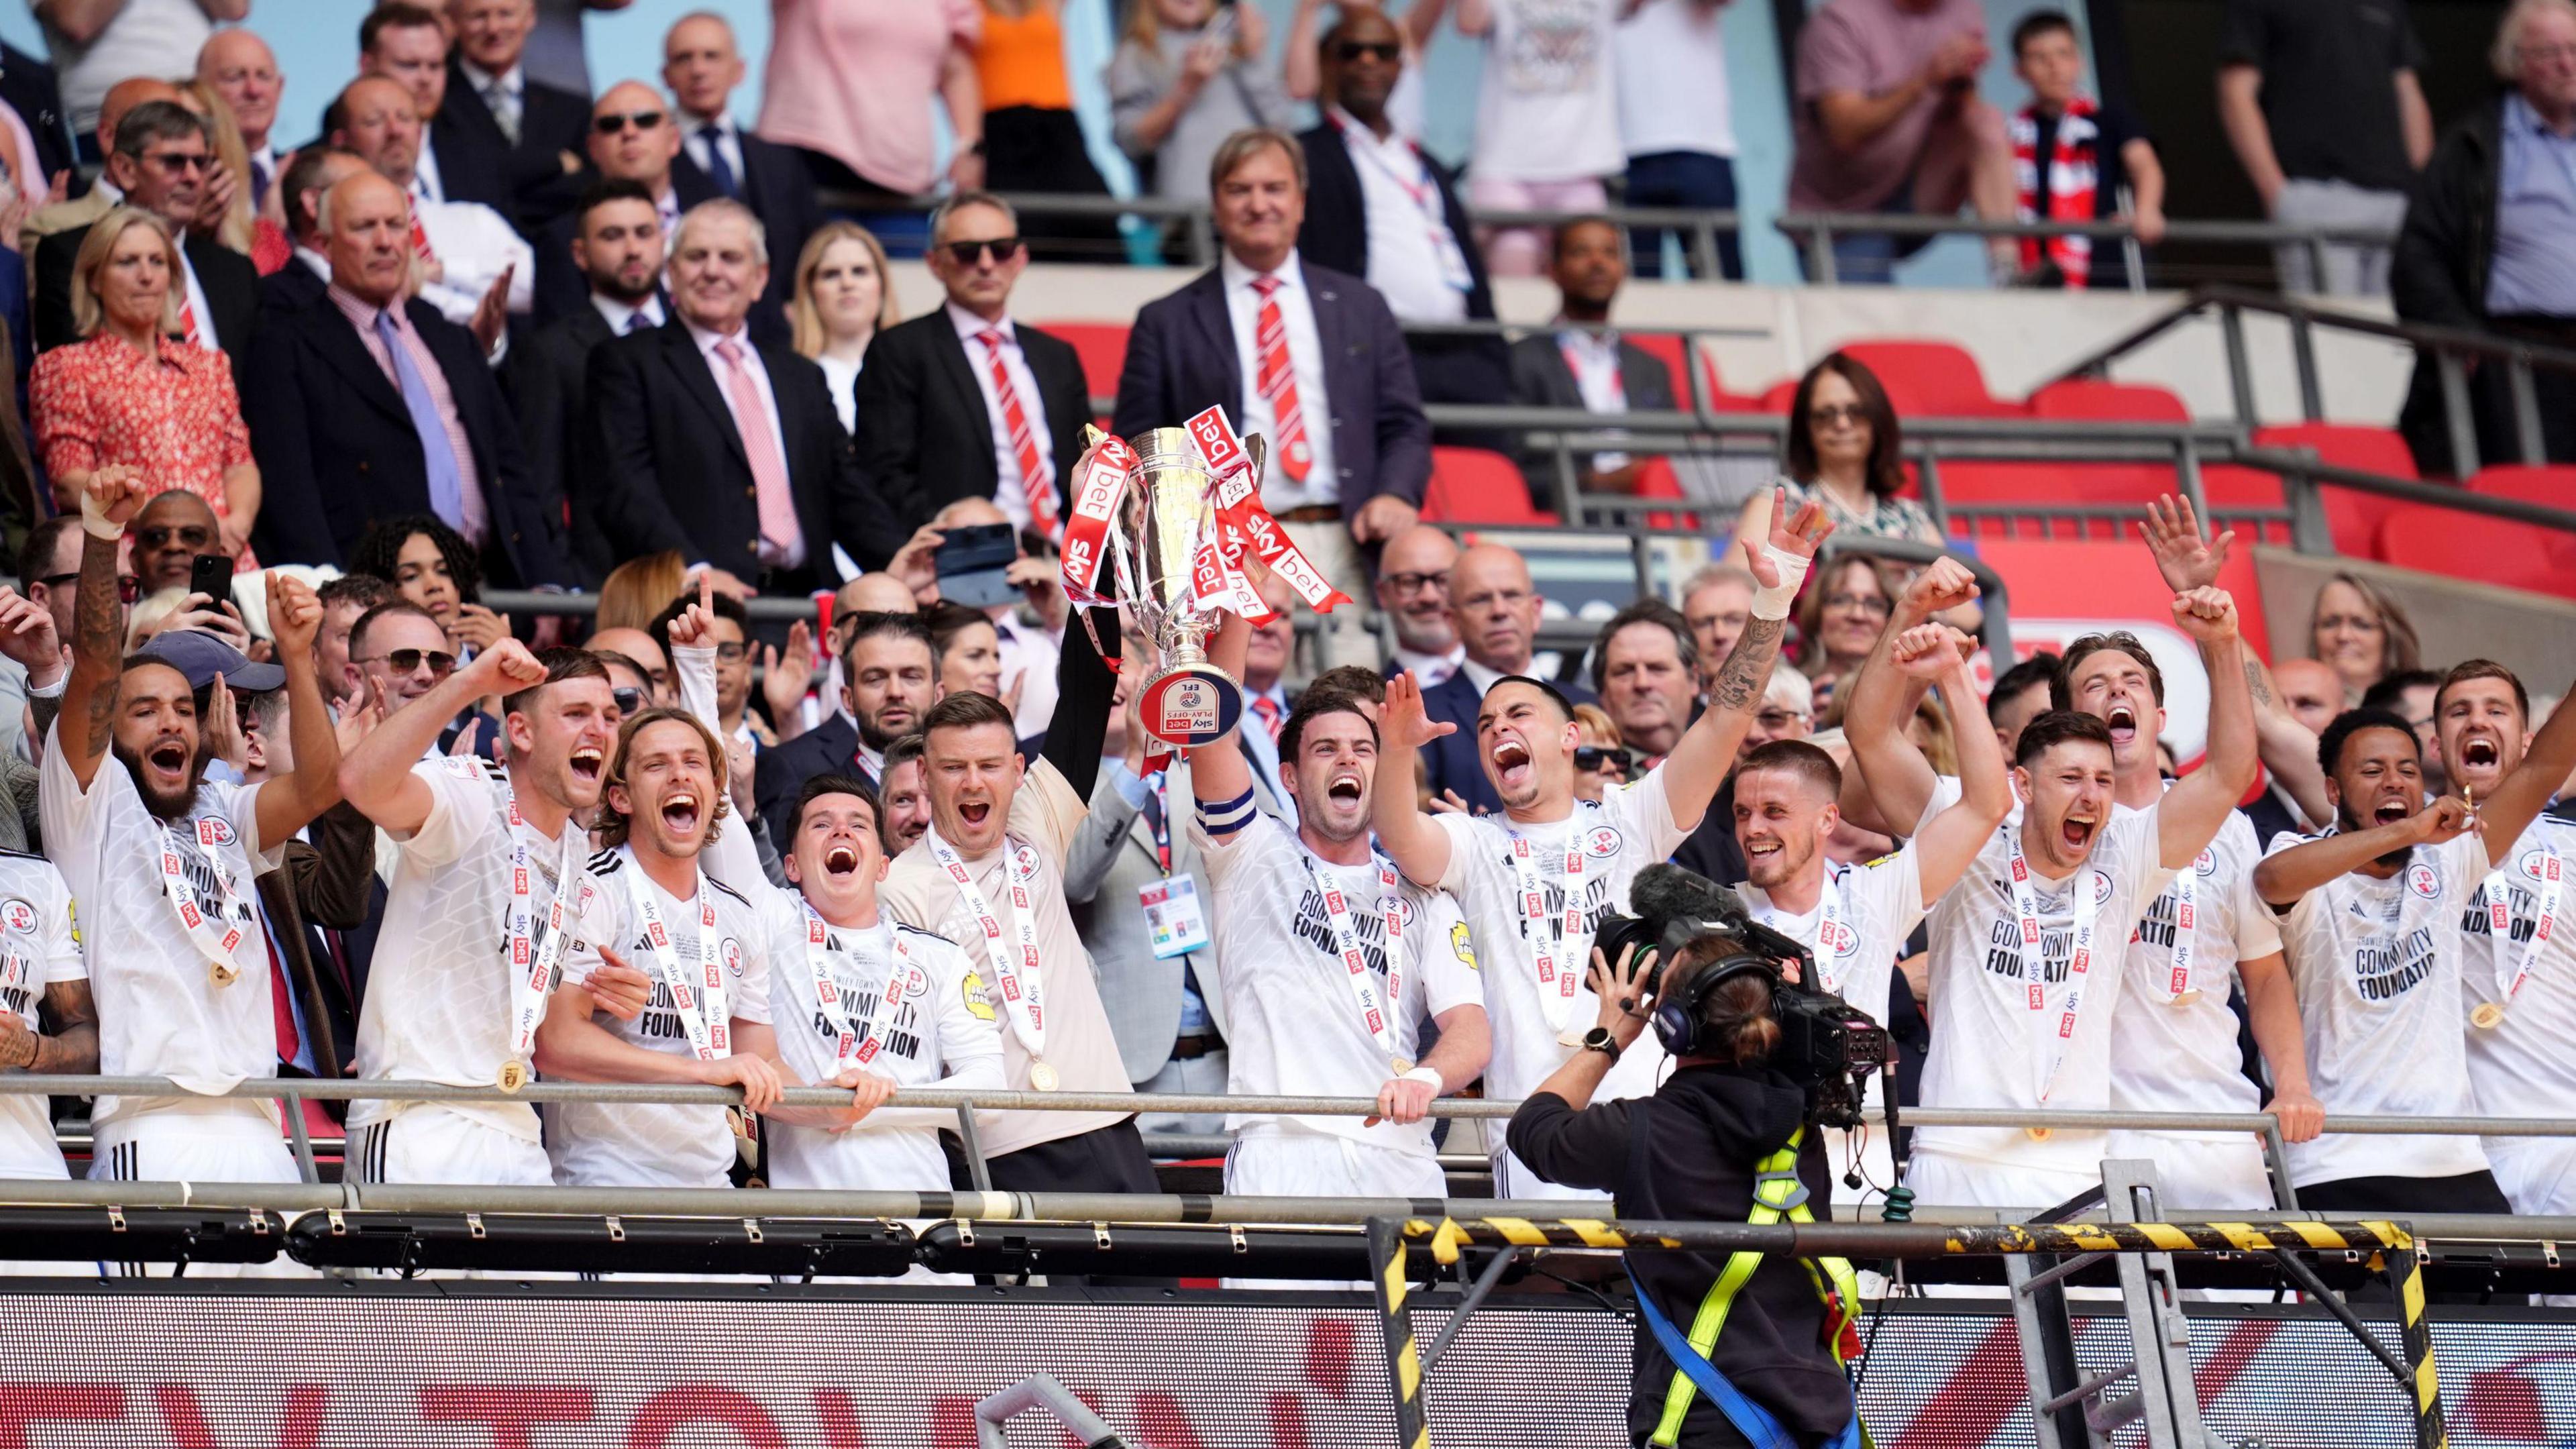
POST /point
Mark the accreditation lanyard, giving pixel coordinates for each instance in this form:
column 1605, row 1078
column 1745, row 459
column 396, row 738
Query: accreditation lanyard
column 1829, row 934
column 850, row 1045
column 1376, row 1015
column 2086, row 905
column 534, row 968
column 1425, row 196
column 2495, row 892
column 213, row 938
column 1015, row 962
column 1161, row 825
column 1557, row 956
column 698, row 996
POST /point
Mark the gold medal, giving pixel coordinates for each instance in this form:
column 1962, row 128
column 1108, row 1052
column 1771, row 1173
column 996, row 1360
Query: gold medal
column 1042, row 1076
column 2184, row 998
column 1403, row 1065
column 2488, row 1016
column 2038, row 1134
column 225, row 973
column 512, row 1076
column 1569, row 1038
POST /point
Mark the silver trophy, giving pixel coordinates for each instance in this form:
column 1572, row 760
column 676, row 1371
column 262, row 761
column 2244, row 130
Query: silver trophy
column 1169, row 509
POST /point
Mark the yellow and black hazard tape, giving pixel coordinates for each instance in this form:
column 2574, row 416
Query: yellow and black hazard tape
column 1446, row 1236
column 1387, row 1252
column 2416, row 1338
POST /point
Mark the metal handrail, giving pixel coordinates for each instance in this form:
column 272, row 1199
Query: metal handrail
column 1814, row 232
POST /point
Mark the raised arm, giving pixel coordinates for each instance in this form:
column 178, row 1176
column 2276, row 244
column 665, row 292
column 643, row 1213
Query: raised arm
column 1222, row 776
column 1418, row 844
column 1899, row 781
column 376, row 775
column 1947, row 844
column 110, row 499
column 732, row 857
column 2284, row 876
column 2196, row 806
column 2522, row 795
column 289, row 804
column 1706, row 751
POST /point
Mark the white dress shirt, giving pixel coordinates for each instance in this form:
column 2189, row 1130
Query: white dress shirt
column 425, row 183
column 1414, row 260
column 707, row 342
column 473, row 245
column 1010, row 493
column 1031, row 654
column 1593, row 358
column 320, row 263
column 619, row 316
column 1429, row 669
column 728, row 140
column 1305, row 362
column 843, row 379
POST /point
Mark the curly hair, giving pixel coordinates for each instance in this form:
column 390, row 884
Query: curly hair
column 615, row 826
column 376, row 554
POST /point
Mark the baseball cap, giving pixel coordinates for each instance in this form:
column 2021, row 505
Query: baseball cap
column 201, row 656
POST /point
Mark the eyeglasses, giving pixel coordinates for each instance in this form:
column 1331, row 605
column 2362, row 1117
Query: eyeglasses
column 1866, row 603
column 1836, row 414
column 1386, row 50
column 175, row 162
column 967, row 253
column 610, row 125
column 1591, row 758
column 1778, row 719
column 189, row 534
column 1413, row 583
column 404, row 661
column 628, row 700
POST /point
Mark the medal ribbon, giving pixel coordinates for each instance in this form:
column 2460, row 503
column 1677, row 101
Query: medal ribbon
column 1014, row 963
column 701, row 1007
column 1378, row 1016
column 215, row 939
column 848, row 1044
column 2034, row 956
column 2186, row 893
column 1555, row 957
column 534, row 969
column 1829, row 930
column 2500, row 917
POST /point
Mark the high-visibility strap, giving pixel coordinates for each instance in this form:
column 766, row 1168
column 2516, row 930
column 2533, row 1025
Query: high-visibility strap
column 1777, row 1193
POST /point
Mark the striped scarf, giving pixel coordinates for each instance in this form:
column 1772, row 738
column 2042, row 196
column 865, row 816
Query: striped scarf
column 2073, row 175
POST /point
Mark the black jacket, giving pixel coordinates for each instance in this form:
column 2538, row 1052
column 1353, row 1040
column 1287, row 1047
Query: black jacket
column 525, row 182
column 337, row 451
column 548, row 373
column 562, row 291
column 1688, row 1154
column 665, row 467
column 29, row 87
column 925, row 438
column 291, row 288
column 1335, row 232
column 1541, row 377
column 231, row 283
column 828, row 748
column 2438, row 272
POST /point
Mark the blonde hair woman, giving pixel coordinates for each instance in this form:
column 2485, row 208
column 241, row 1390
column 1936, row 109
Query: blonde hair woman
column 636, row 590
column 132, row 393
column 843, row 299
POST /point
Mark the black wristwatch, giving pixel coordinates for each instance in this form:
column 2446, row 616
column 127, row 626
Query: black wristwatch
column 1599, row 1039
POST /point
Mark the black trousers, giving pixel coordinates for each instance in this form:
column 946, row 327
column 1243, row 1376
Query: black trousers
column 1105, row 1159
column 2402, row 1197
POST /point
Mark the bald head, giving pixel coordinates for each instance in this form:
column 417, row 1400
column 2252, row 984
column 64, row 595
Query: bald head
column 1494, row 607
column 637, row 645
column 237, row 65
column 124, row 96
column 968, row 512
column 1413, row 588
column 2311, row 691
column 378, row 117
column 366, row 220
column 632, row 136
column 876, row 593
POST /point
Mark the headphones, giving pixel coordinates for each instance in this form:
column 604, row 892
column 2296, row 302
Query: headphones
column 1677, row 1020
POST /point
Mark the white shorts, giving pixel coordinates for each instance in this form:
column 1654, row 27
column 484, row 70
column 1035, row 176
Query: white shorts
column 1513, row 1178
column 1320, row 1164
column 2538, row 1174
column 2197, row 1171
column 428, row 1144
column 215, row 1141
column 1942, row 1180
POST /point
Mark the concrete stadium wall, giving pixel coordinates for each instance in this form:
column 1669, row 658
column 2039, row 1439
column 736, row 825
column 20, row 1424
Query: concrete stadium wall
column 2532, row 634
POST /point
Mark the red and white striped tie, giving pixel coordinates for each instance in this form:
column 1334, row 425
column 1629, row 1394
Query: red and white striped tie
column 1278, row 383
column 188, row 324
column 420, row 243
column 1037, row 480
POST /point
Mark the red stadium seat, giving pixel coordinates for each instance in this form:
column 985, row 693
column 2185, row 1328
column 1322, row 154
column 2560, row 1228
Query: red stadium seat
column 2493, row 551
column 2128, row 486
column 1657, row 480
column 2352, row 517
column 1932, row 379
column 1477, row 485
column 2553, row 484
column 1102, row 346
column 2111, row 402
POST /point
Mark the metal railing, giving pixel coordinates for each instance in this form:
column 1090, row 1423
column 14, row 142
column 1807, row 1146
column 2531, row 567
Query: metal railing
column 1814, row 233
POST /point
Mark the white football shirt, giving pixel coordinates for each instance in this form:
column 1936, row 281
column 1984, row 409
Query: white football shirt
column 2524, row 1067
column 2377, row 964
column 604, row 1144
column 2184, row 1058
column 159, row 1011
column 943, row 1034
column 40, row 935
column 1989, row 1049
column 1629, row 828
column 438, row 1003
column 1293, row 1022
column 1879, row 903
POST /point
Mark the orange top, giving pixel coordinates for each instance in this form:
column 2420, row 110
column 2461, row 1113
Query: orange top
column 1021, row 59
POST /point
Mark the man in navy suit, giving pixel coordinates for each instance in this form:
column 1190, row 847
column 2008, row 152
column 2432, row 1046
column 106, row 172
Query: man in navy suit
column 702, row 67
column 1496, row 609
column 1307, row 357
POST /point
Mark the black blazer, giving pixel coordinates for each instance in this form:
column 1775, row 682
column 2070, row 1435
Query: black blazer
column 526, row 183
column 829, row 747
column 337, row 452
column 231, row 283
column 1181, row 362
column 562, row 291
column 1540, row 378
column 547, row 374
column 1451, row 762
column 925, row 439
column 778, row 189
column 665, row 468
column 29, row 87
column 1335, row 232
column 291, row 288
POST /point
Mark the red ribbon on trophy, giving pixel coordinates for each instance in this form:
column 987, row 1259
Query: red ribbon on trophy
column 1244, row 526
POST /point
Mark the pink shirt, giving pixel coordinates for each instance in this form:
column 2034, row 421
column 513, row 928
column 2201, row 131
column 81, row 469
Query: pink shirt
column 362, row 315
column 856, row 79
column 1867, row 47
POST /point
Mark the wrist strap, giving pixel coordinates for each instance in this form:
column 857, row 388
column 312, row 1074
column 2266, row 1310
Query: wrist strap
column 1772, row 604
column 1428, row 1076
column 96, row 524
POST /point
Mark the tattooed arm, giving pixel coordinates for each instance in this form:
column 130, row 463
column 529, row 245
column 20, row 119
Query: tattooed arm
column 70, row 1049
column 1698, row 765
column 115, row 493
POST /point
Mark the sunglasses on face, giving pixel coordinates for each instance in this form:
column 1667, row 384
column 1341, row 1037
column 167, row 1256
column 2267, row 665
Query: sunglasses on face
column 160, row 535
column 967, row 253
column 1591, row 759
column 610, row 125
column 173, row 163
column 405, row 661
column 1385, row 50
column 1833, row 415
column 628, row 700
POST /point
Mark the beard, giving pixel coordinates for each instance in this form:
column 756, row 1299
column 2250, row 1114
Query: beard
column 2349, row 822
column 165, row 809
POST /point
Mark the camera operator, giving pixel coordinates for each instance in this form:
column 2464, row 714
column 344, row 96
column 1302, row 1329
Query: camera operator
column 1724, row 1139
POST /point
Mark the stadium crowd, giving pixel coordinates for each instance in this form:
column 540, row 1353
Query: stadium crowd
column 291, row 799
